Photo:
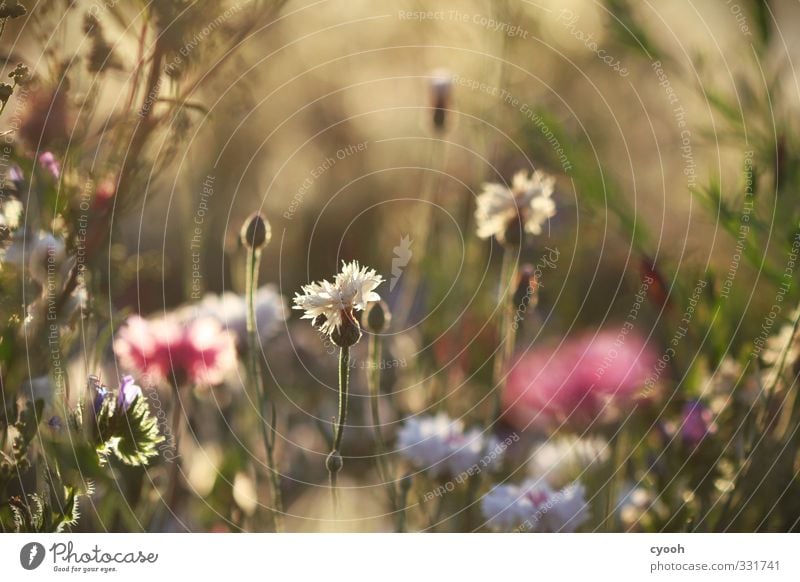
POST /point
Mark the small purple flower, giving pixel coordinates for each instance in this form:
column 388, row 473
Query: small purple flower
column 698, row 422
column 128, row 393
column 49, row 162
column 55, row 423
column 15, row 174
column 99, row 398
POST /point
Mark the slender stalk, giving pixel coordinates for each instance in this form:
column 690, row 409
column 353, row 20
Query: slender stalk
column 508, row 333
column 173, row 480
column 256, row 379
column 375, row 349
column 334, row 464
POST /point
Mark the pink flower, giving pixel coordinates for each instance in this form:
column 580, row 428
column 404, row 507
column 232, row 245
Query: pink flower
column 698, row 422
column 582, row 381
column 49, row 162
column 199, row 352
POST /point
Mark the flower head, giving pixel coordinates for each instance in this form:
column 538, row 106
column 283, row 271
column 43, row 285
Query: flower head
column 528, row 203
column 441, row 446
column 535, row 507
column 128, row 393
column 583, row 381
column 561, row 459
column 698, row 422
column 230, row 310
column 200, row 352
column 49, row 162
column 334, row 303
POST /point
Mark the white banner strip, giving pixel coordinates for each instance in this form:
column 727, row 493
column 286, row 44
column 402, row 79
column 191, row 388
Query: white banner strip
column 390, row 557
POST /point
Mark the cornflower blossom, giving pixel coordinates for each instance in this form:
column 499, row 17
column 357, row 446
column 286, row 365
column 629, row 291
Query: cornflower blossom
column 562, row 459
column 441, row 446
column 49, row 162
column 583, row 381
column 697, row 422
column 199, row 352
column 528, row 203
column 535, row 507
column 230, row 310
column 128, row 393
column 332, row 304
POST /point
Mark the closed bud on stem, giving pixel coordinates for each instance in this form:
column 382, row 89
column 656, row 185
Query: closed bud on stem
column 334, row 462
column 256, row 232
column 441, row 90
column 377, row 316
column 348, row 332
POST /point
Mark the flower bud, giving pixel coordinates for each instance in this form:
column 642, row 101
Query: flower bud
column 348, row 332
column 377, row 316
column 441, row 87
column 334, row 462
column 256, row 232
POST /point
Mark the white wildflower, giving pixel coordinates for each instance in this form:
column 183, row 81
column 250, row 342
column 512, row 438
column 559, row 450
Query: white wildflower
column 560, row 460
column 230, row 310
column 350, row 291
column 535, row 507
column 529, row 200
column 441, row 446
column 10, row 213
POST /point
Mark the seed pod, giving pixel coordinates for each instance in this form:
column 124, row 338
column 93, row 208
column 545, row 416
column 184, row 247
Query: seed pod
column 377, row 316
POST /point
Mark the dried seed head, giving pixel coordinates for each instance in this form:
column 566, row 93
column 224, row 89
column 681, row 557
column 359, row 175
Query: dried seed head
column 256, row 232
column 377, row 316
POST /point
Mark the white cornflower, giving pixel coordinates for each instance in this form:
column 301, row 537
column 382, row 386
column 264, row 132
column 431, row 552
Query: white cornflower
column 350, row 291
column 535, row 507
column 230, row 310
column 562, row 459
column 441, row 446
column 528, row 201
column 10, row 213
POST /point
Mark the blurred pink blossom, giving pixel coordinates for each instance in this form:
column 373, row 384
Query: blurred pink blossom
column 580, row 382
column 198, row 352
column 49, row 162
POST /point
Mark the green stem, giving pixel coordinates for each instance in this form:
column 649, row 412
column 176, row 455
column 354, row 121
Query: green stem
column 344, row 381
column 375, row 349
column 779, row 368
column 256, row 379
column 508, row 333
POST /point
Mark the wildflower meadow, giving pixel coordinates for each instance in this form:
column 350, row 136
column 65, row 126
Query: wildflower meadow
column 406, row 267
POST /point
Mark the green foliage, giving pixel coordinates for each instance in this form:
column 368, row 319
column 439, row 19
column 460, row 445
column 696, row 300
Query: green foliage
column 132, row 436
